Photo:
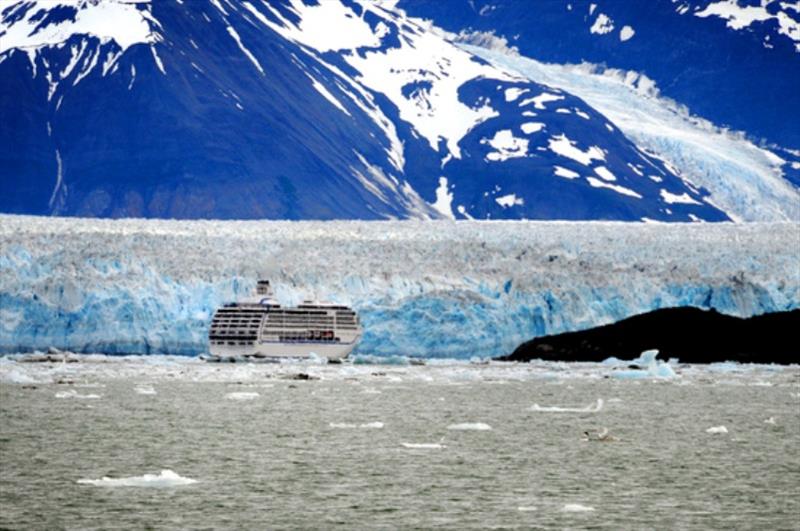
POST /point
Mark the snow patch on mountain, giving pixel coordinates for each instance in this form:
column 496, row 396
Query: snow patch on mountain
column 565, row 147
column 626, row 33
column 597, row 183
column 506, row 146
column 421, row 60
column 602, row 25
column 125, row 23
column 739, row 17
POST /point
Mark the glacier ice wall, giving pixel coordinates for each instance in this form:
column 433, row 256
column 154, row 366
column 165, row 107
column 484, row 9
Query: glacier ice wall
column 441, row 289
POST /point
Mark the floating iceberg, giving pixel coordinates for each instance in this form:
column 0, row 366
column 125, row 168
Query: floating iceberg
column 242, row 396
column 591, row 408
column 577, row 508
column 423, row 289
column 649, row 367
column 470, row 426
column 167, row 478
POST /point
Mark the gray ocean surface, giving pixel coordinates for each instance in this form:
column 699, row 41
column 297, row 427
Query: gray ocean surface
column 174, row 443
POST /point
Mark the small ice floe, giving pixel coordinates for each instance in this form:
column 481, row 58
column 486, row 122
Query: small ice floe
column 75, row 394
column 167, row 478
column 343, row 425
column 717, row 429
column 649, row 367
column 145, row 390
column 424, row 446
column 242, row 396
column 352, row 425
column 577, row 508
column 15, row 376
column 370, row 391
column 466, row 426
column 591, row 408
column 316, row 359
column 770, row 420
column 526, row 508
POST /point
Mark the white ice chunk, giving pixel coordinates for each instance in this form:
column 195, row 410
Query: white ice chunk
column 470, row 426
column 577, row 508
column 717, row 429
column 242, row 396
column 591, row 408
column 343, row 425
column 649, row 367
column 75, row 394
column 145, row 390
column 167, row 478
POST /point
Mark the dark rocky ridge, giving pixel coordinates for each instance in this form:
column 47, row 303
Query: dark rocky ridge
column 691, row 335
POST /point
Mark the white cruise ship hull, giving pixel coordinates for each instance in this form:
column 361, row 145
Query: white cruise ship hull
column 262, row 329
column 284, row 350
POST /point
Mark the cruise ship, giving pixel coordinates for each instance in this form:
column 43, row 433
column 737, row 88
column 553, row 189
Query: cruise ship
column 259, row 328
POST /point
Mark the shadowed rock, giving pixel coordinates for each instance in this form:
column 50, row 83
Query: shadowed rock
column 689, row 334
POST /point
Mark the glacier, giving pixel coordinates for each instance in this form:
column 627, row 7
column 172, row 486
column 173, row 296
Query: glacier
column 448, row 289
column 745, row 180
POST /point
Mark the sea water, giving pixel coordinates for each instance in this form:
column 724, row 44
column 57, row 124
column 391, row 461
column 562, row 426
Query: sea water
column 176, row 443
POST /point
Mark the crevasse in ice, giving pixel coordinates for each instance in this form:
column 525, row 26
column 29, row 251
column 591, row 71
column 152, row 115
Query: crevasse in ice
column 431, row 289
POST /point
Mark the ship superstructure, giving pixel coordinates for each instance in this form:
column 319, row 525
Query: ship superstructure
column 262, row 328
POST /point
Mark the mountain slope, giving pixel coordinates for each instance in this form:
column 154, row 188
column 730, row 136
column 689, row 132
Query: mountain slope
column 289, row 110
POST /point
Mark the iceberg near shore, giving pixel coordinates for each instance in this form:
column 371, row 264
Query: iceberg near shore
column 422, row 289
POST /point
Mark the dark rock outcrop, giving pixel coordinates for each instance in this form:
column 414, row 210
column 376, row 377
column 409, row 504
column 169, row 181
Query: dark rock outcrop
column 691, row 335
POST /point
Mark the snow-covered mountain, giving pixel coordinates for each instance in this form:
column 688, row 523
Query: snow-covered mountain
column 359, row 109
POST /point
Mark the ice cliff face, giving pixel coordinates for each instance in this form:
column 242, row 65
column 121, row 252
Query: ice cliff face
column 451, row 289
column 290, row 109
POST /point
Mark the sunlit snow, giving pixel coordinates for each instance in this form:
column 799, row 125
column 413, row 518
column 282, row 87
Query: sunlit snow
column 506, row 146
column 565, row 147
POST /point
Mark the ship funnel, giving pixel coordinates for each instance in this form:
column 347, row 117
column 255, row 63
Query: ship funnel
column 263, row 288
